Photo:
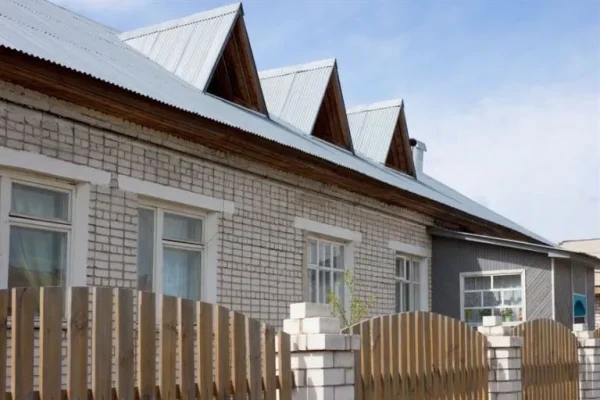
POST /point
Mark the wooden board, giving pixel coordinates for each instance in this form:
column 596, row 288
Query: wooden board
column 23, row 308
column 167, row 336
column 102, row 343
column 77, row 343
column 185, row 322
column 204, row 340
column 51, row 311
column 146, row 346
column 124, row 348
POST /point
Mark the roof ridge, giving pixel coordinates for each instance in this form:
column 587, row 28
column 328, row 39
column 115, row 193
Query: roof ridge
column 180, row 22
column 376, row 106
column 297, row 68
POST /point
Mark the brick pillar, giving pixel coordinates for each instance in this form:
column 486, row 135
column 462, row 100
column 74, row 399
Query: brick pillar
column 504, row 357
column 589, row 362
column 322, row 357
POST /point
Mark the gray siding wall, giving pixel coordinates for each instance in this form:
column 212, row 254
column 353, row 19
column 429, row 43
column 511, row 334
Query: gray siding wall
column 591, row 300
column 579, row 278
column 452, row 256
column 563, row 296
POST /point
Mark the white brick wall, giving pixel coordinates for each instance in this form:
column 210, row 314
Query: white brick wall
column 260, row 253
column 589, row 363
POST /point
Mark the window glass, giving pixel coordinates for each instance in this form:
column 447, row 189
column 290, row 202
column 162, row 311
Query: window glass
column 181, row 269
column 312, row 253
column 39, row 202
column 400, row 267
column 338, row 257
column 507, row 281
column 37, row 257
column 181, row 228
column 313, row 288
column 408, row 284
column 473, row 299
column 477, row 282
column 498, row 295
column 145, row 254
column 326, row 267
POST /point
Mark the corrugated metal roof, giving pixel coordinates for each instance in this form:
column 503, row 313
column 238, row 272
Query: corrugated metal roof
column 46, row 31
column 372, row 128
column 295, row 94
column 189, row 47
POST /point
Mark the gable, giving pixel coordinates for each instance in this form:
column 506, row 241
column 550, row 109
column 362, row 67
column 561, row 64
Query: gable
column 309, row 97
column 380, row 133
column 209, row 50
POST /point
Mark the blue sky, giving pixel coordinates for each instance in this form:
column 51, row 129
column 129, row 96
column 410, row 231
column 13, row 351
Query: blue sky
column 504, row 93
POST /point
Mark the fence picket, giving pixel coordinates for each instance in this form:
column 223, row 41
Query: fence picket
column 185, row 322
column 395, row 357
column 238, row 352
column 77, row 343
column 285, row 368
column 23, row 309
column 403, row 355
column 385, row 357
column 4, row 303
column 101, row 343
column 254, row 364
column 365, row 358
column 204, row 341
column 146, row 350
column 375, row 357
column 167, row 335
column 222, row 351
column 124, row 344
column 51, row 305
column 268, row 358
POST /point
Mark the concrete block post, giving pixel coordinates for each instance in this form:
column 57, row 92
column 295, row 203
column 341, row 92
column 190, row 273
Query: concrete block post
column 504, row 357
column 322, row 357
column 589, row 362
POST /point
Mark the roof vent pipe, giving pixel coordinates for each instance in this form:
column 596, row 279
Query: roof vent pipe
column 418, row 151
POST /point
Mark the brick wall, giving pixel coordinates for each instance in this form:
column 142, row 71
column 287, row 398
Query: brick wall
column 260, row 254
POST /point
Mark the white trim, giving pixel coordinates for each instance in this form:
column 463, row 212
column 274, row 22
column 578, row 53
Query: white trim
column 327, row 230
column 409, row 249
column 553, row 254
column 175, row 195
column 463, row 275
column 4, row 231
column 79, row 239
column 51, row 166
column 209, row 264
column 552, row 278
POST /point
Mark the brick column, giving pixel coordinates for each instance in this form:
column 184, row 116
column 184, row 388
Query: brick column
column 589, row 362
column 322, row 357
column 504, row 357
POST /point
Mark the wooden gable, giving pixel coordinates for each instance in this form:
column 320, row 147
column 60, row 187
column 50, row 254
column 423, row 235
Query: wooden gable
column 399, row 155
column 235, row 77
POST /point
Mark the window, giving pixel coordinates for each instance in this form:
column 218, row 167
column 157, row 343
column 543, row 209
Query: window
column 326, row 267
column 408, row 284
column 170, row 252
column 36, row 231
column 499, row 294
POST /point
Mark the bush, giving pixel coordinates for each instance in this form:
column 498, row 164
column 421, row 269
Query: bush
column 359, row 309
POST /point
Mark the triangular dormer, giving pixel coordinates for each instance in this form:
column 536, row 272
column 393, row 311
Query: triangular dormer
column 379, row 132
column 309, row 97
column 209, row 50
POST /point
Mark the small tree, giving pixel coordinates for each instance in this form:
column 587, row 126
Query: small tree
column 358, row 309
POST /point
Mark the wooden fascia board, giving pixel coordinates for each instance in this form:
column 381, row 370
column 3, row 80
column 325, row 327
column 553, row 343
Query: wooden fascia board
column 78, row 88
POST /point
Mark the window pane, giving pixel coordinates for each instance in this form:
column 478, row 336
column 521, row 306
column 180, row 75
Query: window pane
column 339, row 286
column 416, row 306
column 312, row 253
column 400, row 267
column 399, row 297
column 512, row 297
column 477, row 282
column 491, row 299
column 312, row 286
column 473, row 299
column 473, row 316
column 406, row 297
column 39, row 202
column 325, row 285
column 338, row 257
column 181, row 273
column 507, row 281
column 416, row 270
column 145, row 255
column 37, row 257
column 325, row 255
column 186, row 229
column 407, row 269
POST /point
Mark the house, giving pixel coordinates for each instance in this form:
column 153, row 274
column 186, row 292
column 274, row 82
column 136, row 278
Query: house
column 591, row 247
column 161, row 159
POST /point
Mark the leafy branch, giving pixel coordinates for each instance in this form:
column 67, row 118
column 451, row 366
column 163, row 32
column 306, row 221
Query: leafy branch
column 358, row 309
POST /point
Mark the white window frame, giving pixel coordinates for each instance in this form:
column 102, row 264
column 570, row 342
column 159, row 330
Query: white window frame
column 420, row 254
column 521, row 272
column 330, row 270
column 76, row 229
column 160, row 208
column 421, row 264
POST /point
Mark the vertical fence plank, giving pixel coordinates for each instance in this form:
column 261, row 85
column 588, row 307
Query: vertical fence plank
column 403, row 354
column 285, row 368
column 146, row 348
column 238, row 354
column 435, row 345
column 77, row 343
column 167, row 335
column 268, row 358
column 394, row 355
column 23, row 308
column 102, row 343
column 4, row 301
column 204, row 341
column 51, row 305
column 222, row 351
column 413, row 350
column 385, row 356
column 426, row 368
column 375, row 357
column 253, row 352
column 124, row 343
column 185, row 319
column 365, row 359
column 358, row 381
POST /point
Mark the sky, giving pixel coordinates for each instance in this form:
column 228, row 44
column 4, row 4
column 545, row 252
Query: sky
column 505, row 94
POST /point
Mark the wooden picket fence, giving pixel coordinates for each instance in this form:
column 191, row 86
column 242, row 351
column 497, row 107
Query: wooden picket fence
column 204, row 350
column 549, row 360
column 419, row 355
